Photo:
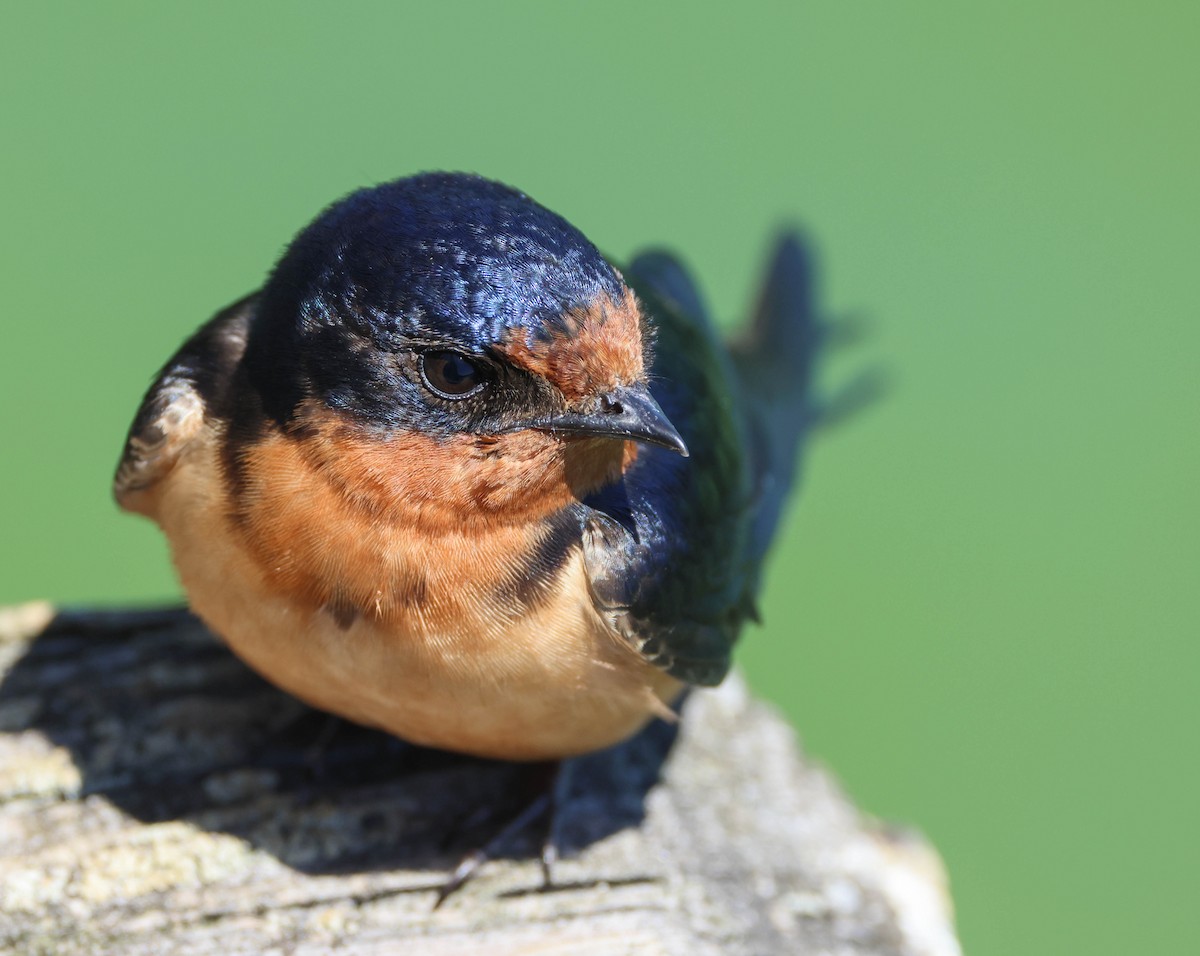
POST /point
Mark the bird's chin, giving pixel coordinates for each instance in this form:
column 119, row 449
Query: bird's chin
column 591, row 461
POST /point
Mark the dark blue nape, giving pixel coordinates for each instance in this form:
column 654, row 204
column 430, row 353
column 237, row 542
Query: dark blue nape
column 439, row 255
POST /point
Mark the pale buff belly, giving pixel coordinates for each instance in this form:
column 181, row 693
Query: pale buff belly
column 553, row 683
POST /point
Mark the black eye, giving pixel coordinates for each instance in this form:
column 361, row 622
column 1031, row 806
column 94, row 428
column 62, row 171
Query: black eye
column 451, row 375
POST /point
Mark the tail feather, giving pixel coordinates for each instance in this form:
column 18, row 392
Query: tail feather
column 776, row 360
column 862, row 391
column 776, row 353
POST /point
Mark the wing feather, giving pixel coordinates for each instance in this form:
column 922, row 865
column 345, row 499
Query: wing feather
column 663, row 546
column 177, row 405
column 674, row 551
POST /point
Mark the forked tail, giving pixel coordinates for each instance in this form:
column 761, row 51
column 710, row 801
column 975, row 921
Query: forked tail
column 776, row 357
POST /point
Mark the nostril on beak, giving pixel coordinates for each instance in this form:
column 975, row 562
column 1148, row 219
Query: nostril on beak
column 628, row 412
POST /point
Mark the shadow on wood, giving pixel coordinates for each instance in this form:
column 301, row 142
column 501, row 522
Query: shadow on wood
column 156, row 796
column 165, row 723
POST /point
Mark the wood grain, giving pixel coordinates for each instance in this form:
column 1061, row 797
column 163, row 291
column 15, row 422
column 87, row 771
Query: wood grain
column 157, row 797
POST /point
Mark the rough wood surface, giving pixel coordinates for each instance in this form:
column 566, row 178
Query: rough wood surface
column 157, row 797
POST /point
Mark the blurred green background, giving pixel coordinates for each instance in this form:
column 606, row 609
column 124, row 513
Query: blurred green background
column 984, row 610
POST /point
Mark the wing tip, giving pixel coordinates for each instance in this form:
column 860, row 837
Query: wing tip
column 665, row 273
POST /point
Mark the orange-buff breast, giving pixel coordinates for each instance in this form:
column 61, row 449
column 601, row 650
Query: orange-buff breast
column 389, row 582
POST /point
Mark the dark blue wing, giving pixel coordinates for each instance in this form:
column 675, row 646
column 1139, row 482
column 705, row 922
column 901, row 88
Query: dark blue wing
column 675, row 550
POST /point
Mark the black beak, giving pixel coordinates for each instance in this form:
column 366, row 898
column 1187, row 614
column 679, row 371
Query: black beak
column 625, row 412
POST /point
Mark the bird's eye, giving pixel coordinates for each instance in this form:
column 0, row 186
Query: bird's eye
column 451, row 375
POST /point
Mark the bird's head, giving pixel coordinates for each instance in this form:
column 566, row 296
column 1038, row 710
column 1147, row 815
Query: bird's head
column 452, row 318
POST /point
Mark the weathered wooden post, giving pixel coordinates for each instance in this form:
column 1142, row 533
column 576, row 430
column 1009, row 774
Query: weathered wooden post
column 157, row 797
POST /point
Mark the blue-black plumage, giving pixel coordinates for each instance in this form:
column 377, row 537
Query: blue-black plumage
column 443, row 390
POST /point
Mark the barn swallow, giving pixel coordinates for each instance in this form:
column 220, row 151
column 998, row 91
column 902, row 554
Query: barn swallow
column 451, row 474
